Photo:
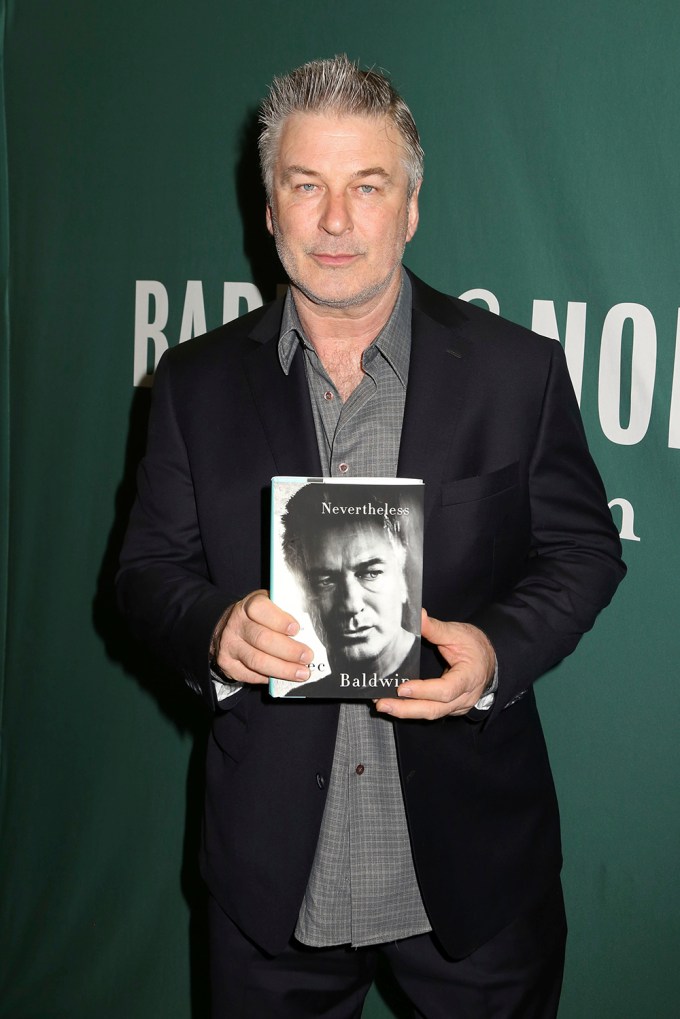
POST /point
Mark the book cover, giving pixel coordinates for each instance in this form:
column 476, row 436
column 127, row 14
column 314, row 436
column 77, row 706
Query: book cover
column 347, row 563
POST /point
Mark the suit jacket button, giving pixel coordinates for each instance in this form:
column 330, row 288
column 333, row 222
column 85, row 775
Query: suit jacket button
column 320, row 780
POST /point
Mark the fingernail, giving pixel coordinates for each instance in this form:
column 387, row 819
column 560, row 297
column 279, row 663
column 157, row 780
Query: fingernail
column 388, row 709
column 302, row 674
column 306, row 657
column 292, row 629
column 405, row 691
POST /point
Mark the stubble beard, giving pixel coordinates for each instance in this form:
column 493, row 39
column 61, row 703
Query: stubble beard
column 369, row 293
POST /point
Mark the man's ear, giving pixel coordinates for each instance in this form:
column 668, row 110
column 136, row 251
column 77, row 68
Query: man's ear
column 403, row 583
column 413, row 214
column 269, row 219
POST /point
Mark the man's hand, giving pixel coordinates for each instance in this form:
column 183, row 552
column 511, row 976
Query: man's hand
column 254, row 640
column 472, row 662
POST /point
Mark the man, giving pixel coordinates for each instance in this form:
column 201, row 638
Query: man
column 425, row 829
column 351, row 569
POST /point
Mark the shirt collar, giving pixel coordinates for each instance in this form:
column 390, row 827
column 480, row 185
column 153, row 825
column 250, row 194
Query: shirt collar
column 393, row 341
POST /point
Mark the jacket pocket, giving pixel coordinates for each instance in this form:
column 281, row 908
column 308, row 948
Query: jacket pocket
column 482, row 486
column 478, row 506
column 509, row 724
column 230, row 731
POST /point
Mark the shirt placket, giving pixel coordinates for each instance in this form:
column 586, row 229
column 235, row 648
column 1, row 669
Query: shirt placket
column 344, row 445
column 351, row 894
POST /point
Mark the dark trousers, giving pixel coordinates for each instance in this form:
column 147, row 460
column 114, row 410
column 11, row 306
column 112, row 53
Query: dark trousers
column 516, row 975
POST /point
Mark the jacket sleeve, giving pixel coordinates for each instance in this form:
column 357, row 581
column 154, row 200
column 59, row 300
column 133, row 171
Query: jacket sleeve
column 163, row 584
column 574, row 565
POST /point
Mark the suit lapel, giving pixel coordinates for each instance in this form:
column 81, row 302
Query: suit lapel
column 282, row 401
column 437, row 388
column 436, row 393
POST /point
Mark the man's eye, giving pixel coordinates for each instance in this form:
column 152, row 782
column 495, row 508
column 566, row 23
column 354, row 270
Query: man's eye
column 307, row 188
column 366, row 189
column 370, row 574
column 323, row 583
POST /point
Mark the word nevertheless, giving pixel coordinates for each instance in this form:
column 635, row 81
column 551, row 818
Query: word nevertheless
column 367, row 510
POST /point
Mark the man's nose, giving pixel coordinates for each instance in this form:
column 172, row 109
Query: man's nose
column 351, row 596
column 335, row 216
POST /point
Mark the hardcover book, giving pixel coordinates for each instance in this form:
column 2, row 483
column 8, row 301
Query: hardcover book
column 347, row 563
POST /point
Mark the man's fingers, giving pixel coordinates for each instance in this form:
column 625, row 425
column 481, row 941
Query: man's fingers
column 462, row 639
column 270, row 642
column 255, row 643
column 247, row 664
column 433, row 630
column 265, row 653
column 447, row 634
column 454, row 693
column 442, row 690
column 461, row 644
column 398, row 707
column 264, row 665
column 259, row 608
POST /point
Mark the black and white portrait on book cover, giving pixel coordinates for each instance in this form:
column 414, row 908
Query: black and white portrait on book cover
column 347, row 564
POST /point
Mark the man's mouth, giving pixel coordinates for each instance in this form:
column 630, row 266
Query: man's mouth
column 356, row 636
column 334, row 261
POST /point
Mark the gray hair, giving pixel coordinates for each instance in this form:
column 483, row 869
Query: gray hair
column 304, row 522
column 335, row 86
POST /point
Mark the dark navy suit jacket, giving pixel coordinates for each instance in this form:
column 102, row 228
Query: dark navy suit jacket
column 518, row 540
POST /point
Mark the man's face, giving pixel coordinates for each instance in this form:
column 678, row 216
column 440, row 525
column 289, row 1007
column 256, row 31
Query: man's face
column 339, row 211
column 355, row 593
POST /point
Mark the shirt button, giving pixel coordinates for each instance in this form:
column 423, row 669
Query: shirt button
column 343, row 468
column 328, row 395
column 359, row 769
column 320, row 780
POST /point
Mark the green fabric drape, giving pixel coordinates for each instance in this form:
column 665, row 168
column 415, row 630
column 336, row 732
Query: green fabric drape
column 130, row 198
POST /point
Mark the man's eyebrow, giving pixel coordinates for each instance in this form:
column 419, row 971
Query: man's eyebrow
column 372, row 171
column 376, row 560
column 322, row 571
column 303, row 171
column 306, row 171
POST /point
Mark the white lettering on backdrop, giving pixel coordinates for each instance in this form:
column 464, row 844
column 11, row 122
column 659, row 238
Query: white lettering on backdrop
column 152, row 308
column 627, row 327
column 627, row 355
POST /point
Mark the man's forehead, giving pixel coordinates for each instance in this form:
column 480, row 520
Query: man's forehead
column 357, row 542
column 317, row 133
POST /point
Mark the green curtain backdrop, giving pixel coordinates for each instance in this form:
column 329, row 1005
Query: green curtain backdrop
column 132, row 218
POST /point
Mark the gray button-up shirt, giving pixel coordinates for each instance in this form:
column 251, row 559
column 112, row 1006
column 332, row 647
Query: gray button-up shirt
column 363, row 888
